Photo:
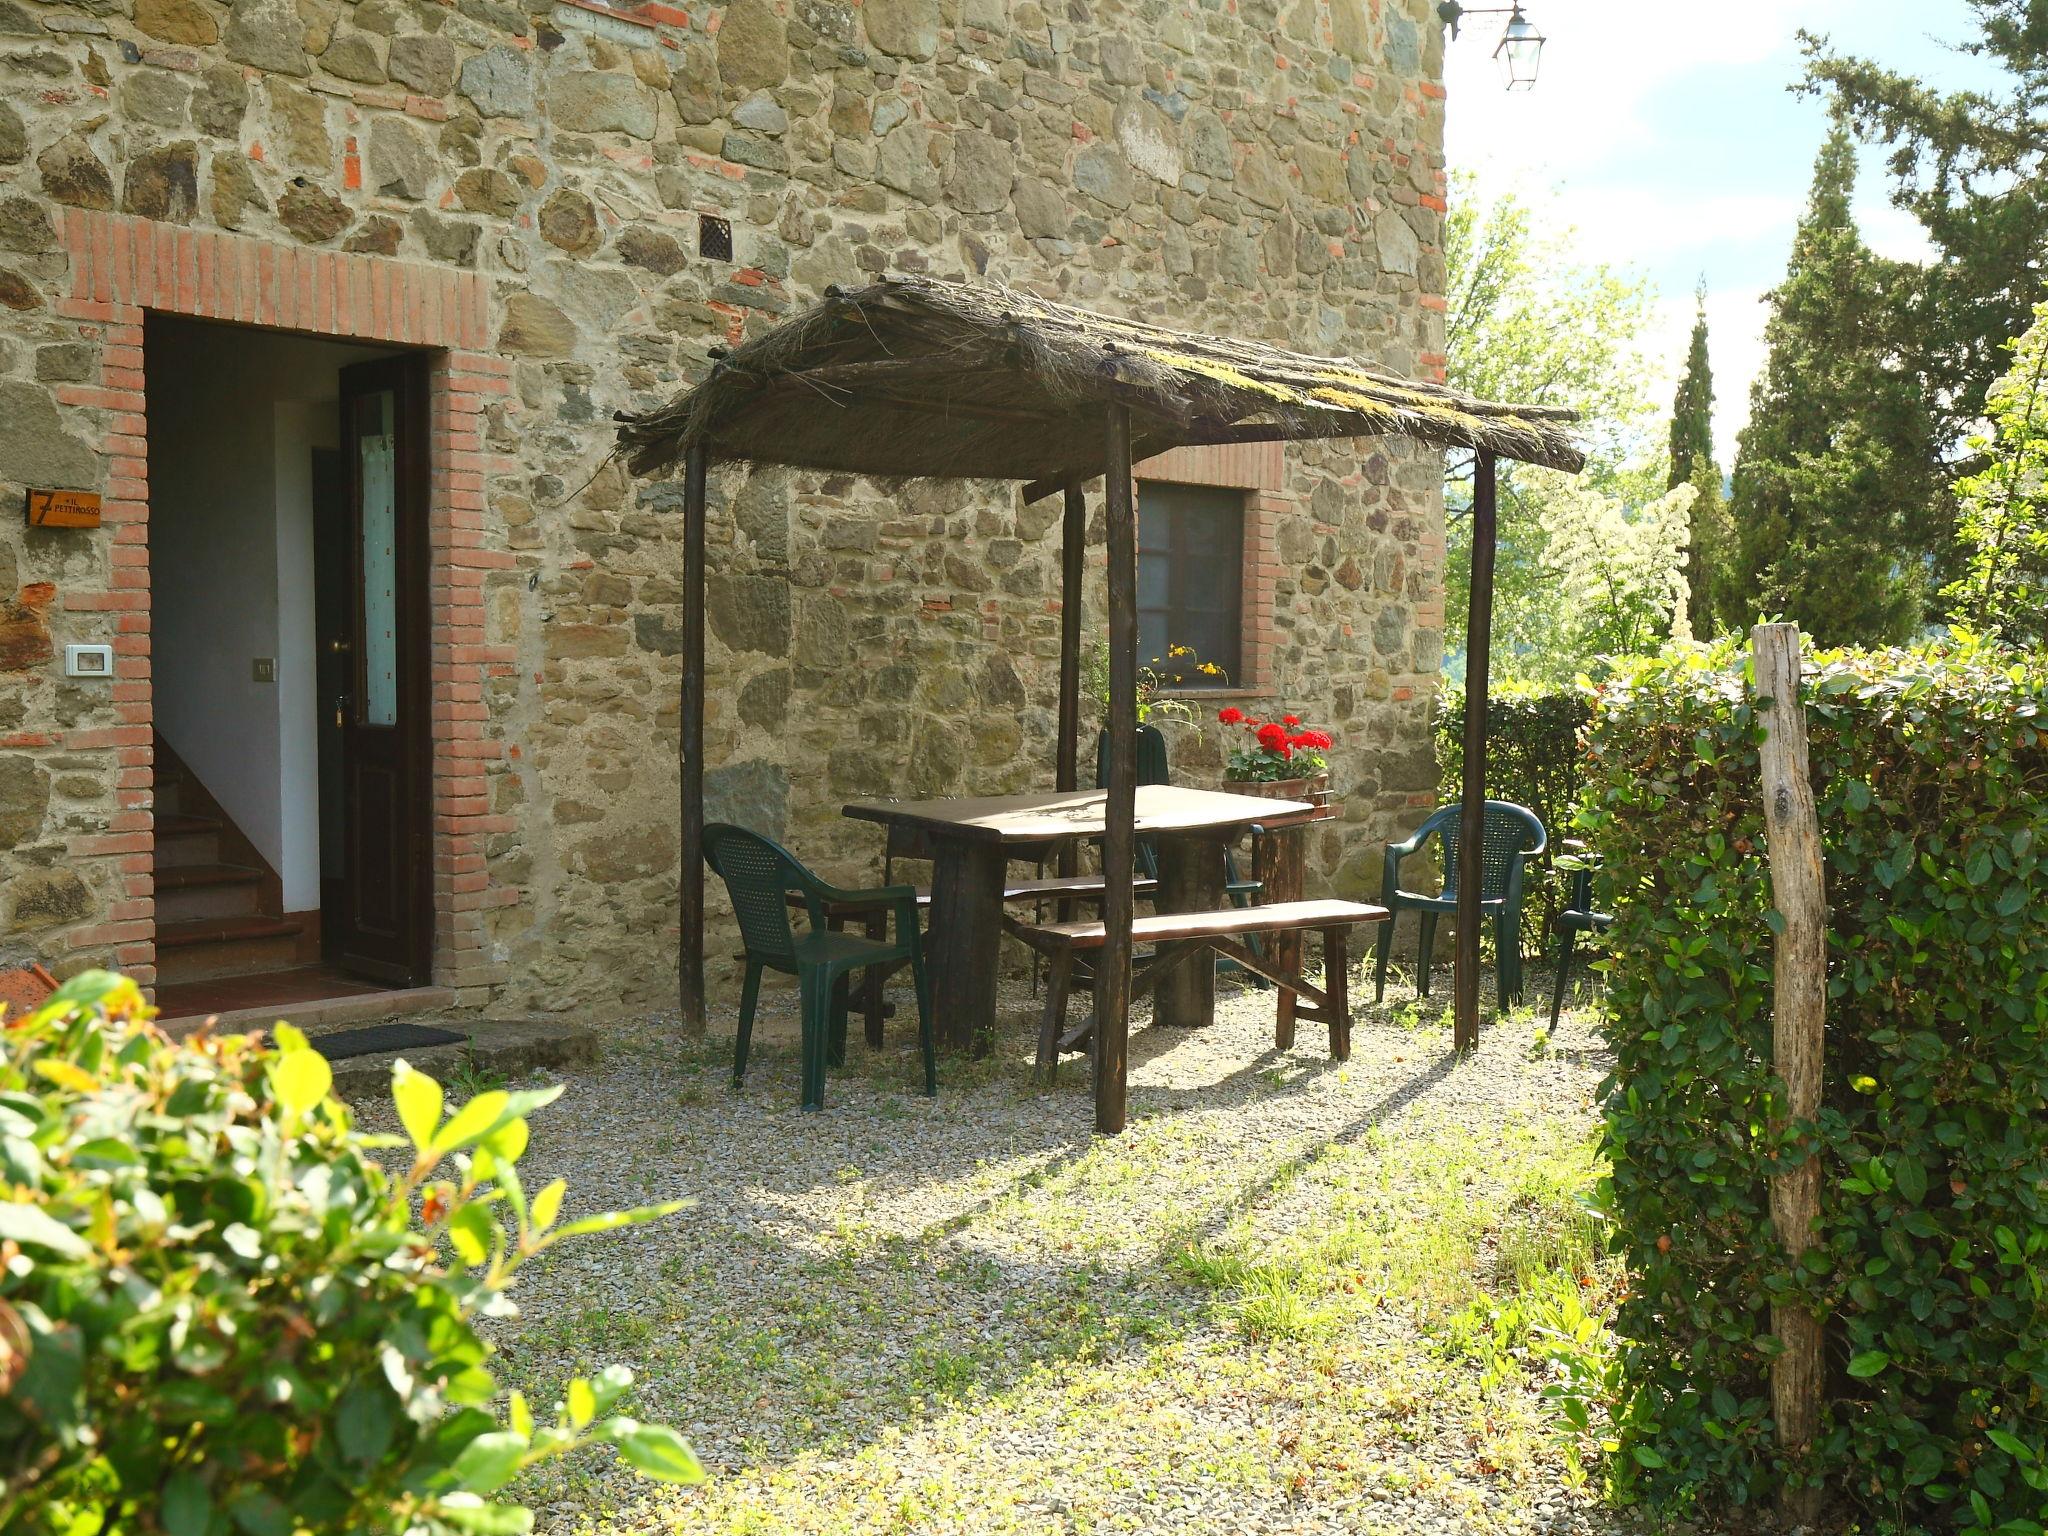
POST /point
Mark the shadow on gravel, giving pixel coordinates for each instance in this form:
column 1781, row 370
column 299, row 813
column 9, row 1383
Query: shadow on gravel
column 777, row 1319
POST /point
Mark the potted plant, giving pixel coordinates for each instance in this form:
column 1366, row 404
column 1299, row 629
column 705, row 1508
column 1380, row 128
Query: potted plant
column 1279, row 759
column 1154, row 702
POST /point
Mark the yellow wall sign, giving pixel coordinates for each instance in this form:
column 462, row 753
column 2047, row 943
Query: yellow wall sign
column 64, row 509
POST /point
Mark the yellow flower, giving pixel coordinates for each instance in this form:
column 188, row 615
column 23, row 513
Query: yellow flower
column 1211, row 668
column 1180, row 650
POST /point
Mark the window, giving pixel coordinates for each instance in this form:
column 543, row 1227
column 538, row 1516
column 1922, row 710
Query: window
column 714, row 237
column 1191, row 577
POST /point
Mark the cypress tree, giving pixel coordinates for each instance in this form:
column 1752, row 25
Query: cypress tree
column 1692, row 410
column 1692, row 462
column 1833, row 477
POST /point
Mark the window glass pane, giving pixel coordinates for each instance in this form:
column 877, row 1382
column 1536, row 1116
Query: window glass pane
column 1191, row 573
column 376, row 473
column 1151, row 635
column 1155, row 569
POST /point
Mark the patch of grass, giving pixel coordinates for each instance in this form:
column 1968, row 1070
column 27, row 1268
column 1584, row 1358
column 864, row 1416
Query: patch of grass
column 466, row 1077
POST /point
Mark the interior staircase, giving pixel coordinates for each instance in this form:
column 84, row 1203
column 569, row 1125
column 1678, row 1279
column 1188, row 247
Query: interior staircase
column 219, row 907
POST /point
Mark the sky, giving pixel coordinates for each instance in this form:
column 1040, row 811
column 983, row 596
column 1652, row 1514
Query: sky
column 1663, row 133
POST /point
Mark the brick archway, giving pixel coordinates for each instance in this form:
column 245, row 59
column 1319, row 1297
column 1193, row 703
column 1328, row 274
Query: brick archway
column 123, row 267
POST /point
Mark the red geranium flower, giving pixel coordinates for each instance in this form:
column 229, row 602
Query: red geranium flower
column 1290, row 721
column 1272, row 736
column 1230, row 714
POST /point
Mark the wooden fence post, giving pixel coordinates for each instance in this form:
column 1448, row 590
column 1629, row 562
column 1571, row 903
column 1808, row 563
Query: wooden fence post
column 1798, row 1014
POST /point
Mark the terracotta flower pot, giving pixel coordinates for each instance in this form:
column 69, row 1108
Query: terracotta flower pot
column 1315, row 790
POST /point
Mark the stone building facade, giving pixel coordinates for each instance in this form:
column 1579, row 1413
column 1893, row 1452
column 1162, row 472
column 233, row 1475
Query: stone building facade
column 562, row 205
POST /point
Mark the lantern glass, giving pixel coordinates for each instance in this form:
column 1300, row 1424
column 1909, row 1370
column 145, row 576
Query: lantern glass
column 1520, row 53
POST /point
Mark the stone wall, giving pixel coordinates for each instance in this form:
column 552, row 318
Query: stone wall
column 1271, row 170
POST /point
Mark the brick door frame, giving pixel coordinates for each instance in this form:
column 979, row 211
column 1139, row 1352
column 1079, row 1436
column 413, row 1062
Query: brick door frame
column 123, row 268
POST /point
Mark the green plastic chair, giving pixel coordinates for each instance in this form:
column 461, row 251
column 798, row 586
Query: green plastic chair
column 1513, row 836
column 1153, row 769
column 1574, row 918
column 759, row 875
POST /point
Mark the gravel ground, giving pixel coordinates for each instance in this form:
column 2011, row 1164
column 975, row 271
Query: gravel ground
column 1275, row 1305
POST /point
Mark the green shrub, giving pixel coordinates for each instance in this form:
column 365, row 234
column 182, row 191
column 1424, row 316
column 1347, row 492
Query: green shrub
column 217, row 1313
column 1931, row 1269
column 1533, row 758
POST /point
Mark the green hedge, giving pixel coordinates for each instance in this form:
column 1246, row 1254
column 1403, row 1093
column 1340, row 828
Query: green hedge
column 1532, row 758
column 1931, row 772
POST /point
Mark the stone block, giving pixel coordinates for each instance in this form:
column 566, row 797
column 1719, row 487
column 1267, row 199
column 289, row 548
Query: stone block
column 753, row 46
column 594, row 101
column 401, row 162
column 500, row 81
column 177, row 21
column 749, row 613
column 427, row 64
column 268, row 35
column 24, row 799
column 904, row 29
column 34, row 447
column 72, row 173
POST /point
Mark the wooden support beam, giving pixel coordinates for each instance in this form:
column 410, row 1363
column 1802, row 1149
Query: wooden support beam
column 1472, row 789
column 1798, row 1024
column 1073, row 566
column 690, row 869
column 1119, row 844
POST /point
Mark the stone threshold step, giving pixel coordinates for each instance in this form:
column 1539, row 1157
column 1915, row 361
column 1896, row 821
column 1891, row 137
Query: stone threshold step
column 500, row 1049
column 314, row 1014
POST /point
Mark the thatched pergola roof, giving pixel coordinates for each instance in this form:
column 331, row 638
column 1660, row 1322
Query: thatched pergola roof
column 985, row 382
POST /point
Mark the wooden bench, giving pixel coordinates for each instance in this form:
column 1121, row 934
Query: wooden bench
column 1175, row 936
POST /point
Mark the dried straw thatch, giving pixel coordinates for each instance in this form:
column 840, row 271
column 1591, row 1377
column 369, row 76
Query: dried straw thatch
column 912, row 378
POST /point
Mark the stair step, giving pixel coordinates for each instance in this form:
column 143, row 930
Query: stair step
column 225, row 930
column 177, row 824
column 186, row 876
column 192, row 892
column 183, row 841
column 209, row 948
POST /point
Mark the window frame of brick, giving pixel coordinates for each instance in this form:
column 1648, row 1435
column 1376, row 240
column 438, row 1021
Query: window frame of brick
column 1257, row 472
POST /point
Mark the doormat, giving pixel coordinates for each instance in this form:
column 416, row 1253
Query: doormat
column 374, row 1039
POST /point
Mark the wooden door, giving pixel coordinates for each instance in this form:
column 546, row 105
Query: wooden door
column 384, row 927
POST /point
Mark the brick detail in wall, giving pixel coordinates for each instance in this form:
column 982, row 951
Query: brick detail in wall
column 1260, row 470
column 122, row 267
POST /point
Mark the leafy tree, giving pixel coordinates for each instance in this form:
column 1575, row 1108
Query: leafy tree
column 2004, row 523
column 1527, row 321
column 1692, row 463
column 1834, row 478
column 1620, row 574
column 1972, row 167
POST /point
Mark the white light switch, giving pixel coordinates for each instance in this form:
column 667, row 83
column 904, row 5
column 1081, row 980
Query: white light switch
column 263, row 669
column 88, row 661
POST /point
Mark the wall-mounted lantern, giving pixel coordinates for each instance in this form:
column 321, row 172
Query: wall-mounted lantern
column 1520, row 50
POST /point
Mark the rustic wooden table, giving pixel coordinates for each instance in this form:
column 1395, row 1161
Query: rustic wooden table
column 973, row 841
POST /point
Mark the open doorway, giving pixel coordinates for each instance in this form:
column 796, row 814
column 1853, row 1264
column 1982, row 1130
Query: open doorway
column 288, row 565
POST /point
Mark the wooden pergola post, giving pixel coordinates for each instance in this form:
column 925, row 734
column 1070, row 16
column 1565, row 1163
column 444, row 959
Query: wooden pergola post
column 690, row 858
column 1472, row 789
column 1119, row 844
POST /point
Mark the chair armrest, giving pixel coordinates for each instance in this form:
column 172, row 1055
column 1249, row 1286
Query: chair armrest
column 1390, row 872
column 1399, row 851
column 874, row 896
